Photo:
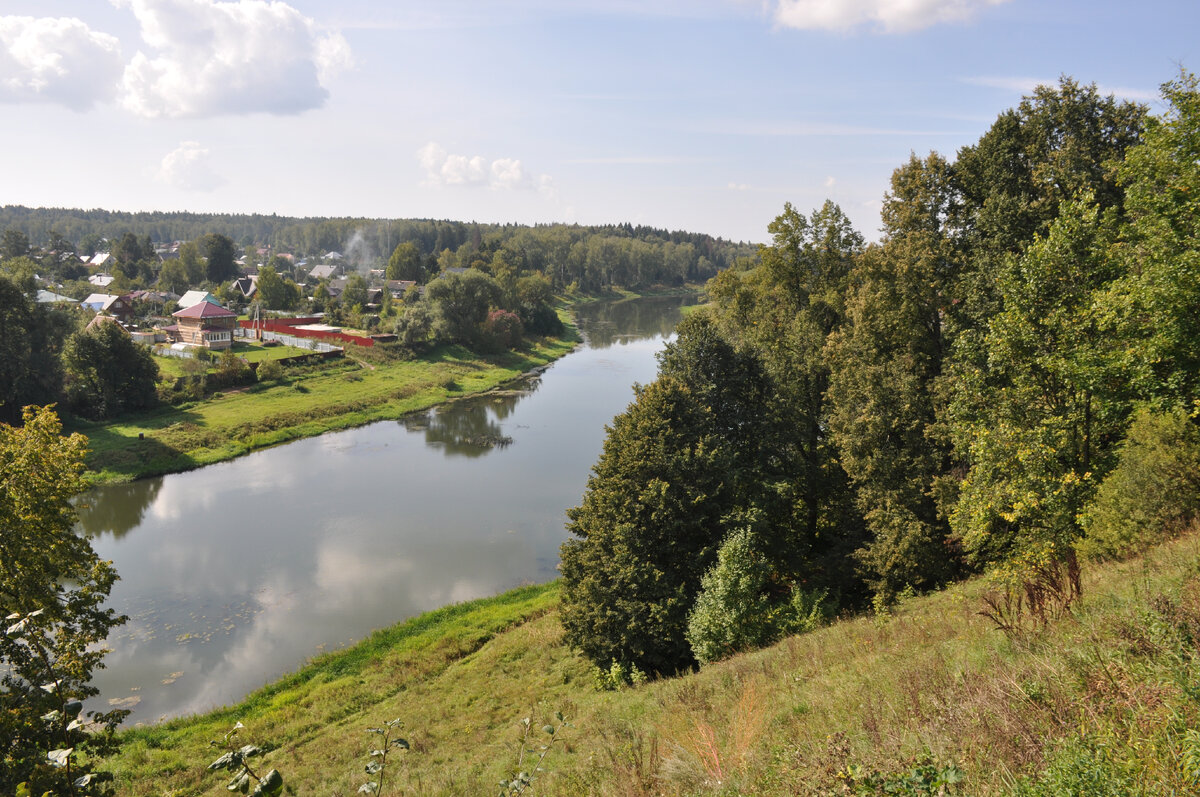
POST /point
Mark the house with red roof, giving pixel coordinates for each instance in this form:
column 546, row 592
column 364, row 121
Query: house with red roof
column 204, row 324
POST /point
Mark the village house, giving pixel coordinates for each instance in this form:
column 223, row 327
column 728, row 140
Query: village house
column 204, row 324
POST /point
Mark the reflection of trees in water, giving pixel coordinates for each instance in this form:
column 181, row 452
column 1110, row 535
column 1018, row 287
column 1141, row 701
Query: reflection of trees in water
column 117, row 509
column 607, row 323
column 470, row 427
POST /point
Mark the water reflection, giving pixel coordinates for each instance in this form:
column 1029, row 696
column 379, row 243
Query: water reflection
column 605, row 324
column 471, row 427
column 121, row 510
column 237, row 573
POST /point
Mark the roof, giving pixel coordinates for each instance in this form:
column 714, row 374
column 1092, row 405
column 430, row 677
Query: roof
column 204, row 310
column 101, row 280
column 99, row 258
column 46, row 297
column 195, row 297
column 247, row 285
column 323, row 272
column 98, row 300
column 96, row 322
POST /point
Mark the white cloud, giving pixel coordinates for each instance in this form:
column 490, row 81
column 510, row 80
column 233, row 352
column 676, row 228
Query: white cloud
column 211, row 58
column 57, row 60
column 188, row 166
column 444, row 168
column 738, row 187
column 888, row 16
column 830, row 182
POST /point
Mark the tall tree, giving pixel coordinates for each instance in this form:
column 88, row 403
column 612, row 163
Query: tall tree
column 786, row 310
column 1048, row 411
column 53, row 589
column 652, row 518
column 406, row 263
column 886, row 361
column 218, row 251
column 462, row 302
column 1154, row 306
column 31, row 341
column 107, row 373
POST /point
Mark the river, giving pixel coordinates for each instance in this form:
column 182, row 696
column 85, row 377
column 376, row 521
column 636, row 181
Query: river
column 237, row 573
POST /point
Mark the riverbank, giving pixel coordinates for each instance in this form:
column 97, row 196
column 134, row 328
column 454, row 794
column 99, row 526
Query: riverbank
column 928, row 690
column 308, row 402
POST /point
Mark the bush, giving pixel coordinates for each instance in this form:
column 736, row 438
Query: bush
column 732, row 612
column 502, row 330
column 1152, row 494
column 270, row 370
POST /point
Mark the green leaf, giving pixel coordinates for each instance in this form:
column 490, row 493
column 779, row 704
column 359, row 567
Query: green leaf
column 271, row 784
column 548, row 729
column 401, row 743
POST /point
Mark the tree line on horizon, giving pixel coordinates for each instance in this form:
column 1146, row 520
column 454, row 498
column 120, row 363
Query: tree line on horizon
column 1009, row 378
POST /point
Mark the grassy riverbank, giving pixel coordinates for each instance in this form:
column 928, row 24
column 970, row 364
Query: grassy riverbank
column 336, row 394
column 1105, row 695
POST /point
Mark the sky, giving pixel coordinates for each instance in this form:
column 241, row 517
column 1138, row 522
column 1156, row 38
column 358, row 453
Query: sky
column 698, row 115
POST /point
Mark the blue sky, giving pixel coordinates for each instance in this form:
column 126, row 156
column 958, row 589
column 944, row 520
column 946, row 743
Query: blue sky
column 705, row 115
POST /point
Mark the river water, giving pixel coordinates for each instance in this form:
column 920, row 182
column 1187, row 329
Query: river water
column 237, row 573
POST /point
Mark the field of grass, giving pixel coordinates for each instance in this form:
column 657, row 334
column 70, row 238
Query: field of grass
column 1102, row 701
column 250, row 352
column 309, row 401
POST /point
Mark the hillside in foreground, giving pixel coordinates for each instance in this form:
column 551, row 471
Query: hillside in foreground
column 1098, row 702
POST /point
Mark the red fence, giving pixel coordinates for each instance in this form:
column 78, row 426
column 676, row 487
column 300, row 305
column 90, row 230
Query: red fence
column 287, row 326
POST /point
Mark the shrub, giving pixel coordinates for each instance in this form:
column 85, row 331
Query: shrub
column 732, row 612
column 502, row 330
column 270, row 370
column 1153, row 492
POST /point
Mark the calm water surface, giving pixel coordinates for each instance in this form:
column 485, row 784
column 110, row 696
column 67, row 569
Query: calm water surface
column 237, row 573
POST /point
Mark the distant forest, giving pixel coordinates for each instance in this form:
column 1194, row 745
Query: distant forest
column 590, row 256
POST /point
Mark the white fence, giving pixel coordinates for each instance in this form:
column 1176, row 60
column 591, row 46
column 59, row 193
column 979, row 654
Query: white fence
column 289, row 340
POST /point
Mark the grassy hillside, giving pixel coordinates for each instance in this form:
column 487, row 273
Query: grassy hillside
column 1099, row 702
column 336, row 395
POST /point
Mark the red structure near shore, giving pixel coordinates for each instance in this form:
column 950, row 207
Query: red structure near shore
column 290, row 326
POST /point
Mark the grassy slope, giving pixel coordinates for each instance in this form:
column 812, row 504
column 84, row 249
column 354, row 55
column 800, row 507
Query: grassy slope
column 338, row 396
column 876, row 692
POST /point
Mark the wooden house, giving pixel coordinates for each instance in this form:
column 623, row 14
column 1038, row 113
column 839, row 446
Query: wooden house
column 205, row 324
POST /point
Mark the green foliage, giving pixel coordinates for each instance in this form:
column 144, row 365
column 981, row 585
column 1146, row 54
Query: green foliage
column 1083, row 766
column 275, row 292
column 732, row 611
column 523, row 779
column 354, row 295
column 238, row 761
column 924, row 778
column 107, row 374
column 461, row 303
column 53, row 590
column 1155, row 303
column 617, row 677
column 1046, row 412
column 1152, row 493
column 649, row 526
column 885, row 363
column 377, row 767
column 218, row 252
column 405, row 263
column 415, row 326
column 31, row 341
column 269, row 371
